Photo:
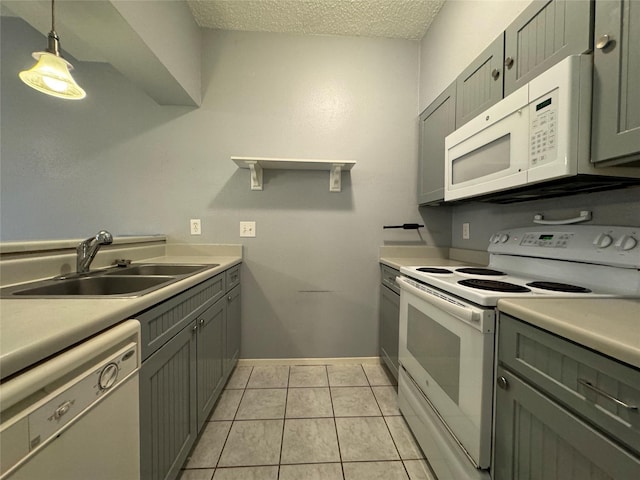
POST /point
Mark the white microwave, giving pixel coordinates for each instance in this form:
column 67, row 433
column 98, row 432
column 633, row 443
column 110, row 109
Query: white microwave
column 538, row 133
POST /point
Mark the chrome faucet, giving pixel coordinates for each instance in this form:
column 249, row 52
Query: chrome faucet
column 87, row 249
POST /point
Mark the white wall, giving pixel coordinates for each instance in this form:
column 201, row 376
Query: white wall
column 119, row 161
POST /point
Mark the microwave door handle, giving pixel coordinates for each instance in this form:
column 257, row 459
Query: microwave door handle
column 459, row 311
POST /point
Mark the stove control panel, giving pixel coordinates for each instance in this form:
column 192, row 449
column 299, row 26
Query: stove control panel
column 547, row 240
column 601, row 244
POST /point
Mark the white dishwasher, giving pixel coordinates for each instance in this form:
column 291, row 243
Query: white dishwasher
column 75, row 416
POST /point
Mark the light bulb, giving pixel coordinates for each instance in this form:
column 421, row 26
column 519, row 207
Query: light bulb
column 51, row 75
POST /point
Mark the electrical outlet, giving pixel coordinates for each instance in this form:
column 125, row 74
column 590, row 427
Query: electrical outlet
column 247, row 229
column 196, row 226
column 465, row 231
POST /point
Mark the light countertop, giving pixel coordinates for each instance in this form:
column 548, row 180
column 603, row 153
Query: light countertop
column 34, row 329
column 407, row 256
column 609, row 326
column 397, row 262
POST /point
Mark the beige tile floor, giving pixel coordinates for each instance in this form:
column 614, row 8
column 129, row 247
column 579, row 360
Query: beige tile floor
column 333, row 422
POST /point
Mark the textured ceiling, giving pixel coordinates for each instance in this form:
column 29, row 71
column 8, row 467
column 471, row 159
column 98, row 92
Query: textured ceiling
column 370, row 18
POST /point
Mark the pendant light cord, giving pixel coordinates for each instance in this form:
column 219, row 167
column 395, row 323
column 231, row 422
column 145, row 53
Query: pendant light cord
column 53, row 17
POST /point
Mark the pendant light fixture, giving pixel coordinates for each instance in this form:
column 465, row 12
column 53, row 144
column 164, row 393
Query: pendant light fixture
column 51, row 74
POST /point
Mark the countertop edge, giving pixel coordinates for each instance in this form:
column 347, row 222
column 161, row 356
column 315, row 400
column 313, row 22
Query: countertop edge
column 70, row 321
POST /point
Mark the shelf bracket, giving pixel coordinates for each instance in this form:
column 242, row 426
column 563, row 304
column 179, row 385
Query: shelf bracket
column 335, row 177
column 256, row 175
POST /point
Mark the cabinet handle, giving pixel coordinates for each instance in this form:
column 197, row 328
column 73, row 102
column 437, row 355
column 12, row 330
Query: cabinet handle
column 603, row 42
column 195, row 327
column 229, row 298
column 503, row 383
column 508, row 62
column 590, row 386
column 201, row 322
column 495, row 73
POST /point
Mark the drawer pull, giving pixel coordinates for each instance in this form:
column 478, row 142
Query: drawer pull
column 590, row 386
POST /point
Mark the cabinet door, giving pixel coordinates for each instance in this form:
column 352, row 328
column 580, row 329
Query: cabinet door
column 232, row 333
column 436, row 122
column 389, row 325
column 210, row 348
column 616, row 77
column 480, row 84
column 168, row 424
column 542, row 35
column 537, row 439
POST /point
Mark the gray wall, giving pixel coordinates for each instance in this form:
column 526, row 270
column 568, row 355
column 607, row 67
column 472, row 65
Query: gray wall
column 469, row 27
column 119, row 161
column 617, row 207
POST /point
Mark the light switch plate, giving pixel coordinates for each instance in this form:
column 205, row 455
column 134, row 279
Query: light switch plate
column 247, row 229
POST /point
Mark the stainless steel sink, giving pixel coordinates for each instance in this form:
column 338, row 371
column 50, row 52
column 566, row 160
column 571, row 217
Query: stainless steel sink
column 129, row 281
column 97, row 286
column 160, row 269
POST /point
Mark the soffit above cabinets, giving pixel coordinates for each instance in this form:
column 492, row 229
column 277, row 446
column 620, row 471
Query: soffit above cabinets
column 408, row 19
column 161, row 56
column 157, row 44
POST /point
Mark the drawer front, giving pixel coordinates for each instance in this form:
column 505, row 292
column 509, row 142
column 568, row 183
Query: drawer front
column 233, row 277
column 535, row 438
column 163, row 321
column 585, row 381
column 389, row 278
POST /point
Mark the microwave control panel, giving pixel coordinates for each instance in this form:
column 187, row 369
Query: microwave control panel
column 543, row 129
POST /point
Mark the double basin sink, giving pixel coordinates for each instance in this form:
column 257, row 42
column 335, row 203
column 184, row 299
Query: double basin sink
column 128, row 281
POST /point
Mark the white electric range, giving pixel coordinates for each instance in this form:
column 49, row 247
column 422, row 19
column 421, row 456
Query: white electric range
column 447, row 327
column 561, row 261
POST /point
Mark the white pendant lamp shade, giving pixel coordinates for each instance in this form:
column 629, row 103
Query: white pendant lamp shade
column 51, row 75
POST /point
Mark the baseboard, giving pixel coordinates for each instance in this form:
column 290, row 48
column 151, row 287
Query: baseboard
column 253, row 362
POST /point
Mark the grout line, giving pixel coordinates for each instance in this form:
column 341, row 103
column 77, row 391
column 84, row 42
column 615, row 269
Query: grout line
column 231, row 426
column 284, row 419
column 335, row 425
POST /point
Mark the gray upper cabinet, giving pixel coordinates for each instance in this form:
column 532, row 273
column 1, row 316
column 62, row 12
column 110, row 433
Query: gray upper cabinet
column 436, row 122
column 542, row 35
column 616, row 77
column 480, row 85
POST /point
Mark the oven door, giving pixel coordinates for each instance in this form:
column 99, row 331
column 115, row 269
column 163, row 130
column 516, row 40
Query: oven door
column 447, row 347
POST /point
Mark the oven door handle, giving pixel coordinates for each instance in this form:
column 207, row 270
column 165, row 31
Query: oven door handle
column 457, row 310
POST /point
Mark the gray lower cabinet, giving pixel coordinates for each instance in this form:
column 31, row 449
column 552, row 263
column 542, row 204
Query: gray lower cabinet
column 232, row 330
column 168, row 407
column 436, row 122
column 555, row 417
column 210, row 344
column 181, row 378
column 616, row 97
column 543, row 34
column 480, row 84
column 389, row 319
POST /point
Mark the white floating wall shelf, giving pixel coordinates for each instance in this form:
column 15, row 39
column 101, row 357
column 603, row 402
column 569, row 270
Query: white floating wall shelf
column 257, row 164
